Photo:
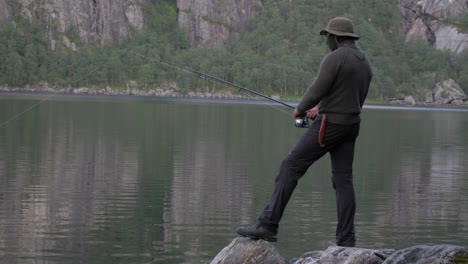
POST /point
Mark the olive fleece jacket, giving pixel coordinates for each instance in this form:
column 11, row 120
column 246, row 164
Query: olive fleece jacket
column 341, row 85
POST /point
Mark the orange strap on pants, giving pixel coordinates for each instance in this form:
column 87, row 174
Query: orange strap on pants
column 322, row 131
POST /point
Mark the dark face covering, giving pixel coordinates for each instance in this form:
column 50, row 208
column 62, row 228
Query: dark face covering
column 332, row 42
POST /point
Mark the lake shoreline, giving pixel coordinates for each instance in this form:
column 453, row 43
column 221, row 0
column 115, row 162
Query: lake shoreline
column 174, row 93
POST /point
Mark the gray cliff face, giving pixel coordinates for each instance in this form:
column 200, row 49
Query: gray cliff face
column 208, row 23
column 211, row 23
column 4, row 11
column 435, row 21
column 92, row 21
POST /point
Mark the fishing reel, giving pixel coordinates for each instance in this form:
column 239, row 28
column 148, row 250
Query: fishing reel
column 301, row 122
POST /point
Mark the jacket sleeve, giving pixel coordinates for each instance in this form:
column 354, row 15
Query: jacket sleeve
column 321, row 85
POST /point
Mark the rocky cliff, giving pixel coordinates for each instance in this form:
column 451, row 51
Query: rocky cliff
column 88, row 21
column 210, row 23
column 437, row 21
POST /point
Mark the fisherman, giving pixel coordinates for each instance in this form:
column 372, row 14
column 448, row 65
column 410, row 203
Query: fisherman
column 334, row 100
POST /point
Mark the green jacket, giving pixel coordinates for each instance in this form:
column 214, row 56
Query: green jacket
column 341, row 85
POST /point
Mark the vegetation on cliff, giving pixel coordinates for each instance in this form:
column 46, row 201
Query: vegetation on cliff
column 279, row 53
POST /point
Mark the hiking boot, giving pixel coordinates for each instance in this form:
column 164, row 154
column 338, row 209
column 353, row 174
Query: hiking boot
column 257, row 232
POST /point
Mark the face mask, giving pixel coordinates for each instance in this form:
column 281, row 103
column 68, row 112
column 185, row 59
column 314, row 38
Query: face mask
column 332, row 43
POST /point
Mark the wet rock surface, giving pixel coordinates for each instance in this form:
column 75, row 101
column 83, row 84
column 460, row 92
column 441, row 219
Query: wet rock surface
column 246, row 250
column 441, row 254
column 343, row 255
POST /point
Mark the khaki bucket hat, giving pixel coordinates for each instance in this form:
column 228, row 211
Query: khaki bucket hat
column 340, row 26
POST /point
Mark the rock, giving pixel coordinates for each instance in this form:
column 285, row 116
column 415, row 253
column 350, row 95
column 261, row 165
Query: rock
column 132, row 84
column 429, row 98
column 49, row 90
column 409, row 100
column 83, row 90
column 440, row 254
column 244, row 250
column 457, row 102
column 343, row 255
column 396, row 101
column 448, row 91
column 138, row 93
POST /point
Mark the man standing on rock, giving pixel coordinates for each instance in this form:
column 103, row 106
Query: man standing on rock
column 334, row 100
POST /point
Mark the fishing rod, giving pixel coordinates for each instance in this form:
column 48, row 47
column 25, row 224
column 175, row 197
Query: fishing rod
column 300, row 122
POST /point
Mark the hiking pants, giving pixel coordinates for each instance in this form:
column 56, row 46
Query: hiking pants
column 339, row 141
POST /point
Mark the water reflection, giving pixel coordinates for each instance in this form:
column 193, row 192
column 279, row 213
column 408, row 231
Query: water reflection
column 58, row 184
column 126, row 182
column 424, row 176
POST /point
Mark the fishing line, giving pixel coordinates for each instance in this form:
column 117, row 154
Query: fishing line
column 52, row 95
column 183, row 68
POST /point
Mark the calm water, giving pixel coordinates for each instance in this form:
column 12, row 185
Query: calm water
column 132, row 180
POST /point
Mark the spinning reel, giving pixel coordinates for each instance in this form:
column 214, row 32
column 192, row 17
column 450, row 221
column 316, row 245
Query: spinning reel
column 301, row 122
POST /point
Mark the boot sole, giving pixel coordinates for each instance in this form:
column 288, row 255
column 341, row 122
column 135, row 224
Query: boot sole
column 269, row 239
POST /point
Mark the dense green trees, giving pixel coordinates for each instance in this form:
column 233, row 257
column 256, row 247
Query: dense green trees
column 279, row 52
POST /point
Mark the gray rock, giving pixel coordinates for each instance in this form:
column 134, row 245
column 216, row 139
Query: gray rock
column 429, row 98
column 409, row 100
column 138, row 93
column 244, row 250
column 49, row 90
column 447, row 91
column 83, row 90
column 457, row 102
column 343, row 255
column 396, row 101
column 440, row 254
column 132, row 84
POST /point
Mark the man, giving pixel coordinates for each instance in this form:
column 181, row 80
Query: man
column 335, row 100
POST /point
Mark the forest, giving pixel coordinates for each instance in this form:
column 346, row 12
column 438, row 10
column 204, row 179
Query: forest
column 278, row 52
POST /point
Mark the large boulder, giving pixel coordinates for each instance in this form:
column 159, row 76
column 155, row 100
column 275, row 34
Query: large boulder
column 344, row 255
column 244, row 250
column 248, row 251
column 447, row 92
column 440, row 254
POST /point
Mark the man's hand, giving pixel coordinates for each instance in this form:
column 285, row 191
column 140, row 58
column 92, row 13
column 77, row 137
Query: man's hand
column 312, row 113
column 297, row 115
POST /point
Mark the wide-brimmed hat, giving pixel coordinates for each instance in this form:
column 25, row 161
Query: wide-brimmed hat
column 340, row 26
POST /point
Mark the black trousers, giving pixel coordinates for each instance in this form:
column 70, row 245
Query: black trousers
column 339, row 141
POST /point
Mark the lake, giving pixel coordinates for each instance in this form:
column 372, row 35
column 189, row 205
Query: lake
column 90, row 179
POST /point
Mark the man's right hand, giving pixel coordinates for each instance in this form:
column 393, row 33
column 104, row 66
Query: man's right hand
column 312, row 113
column 296, row 114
